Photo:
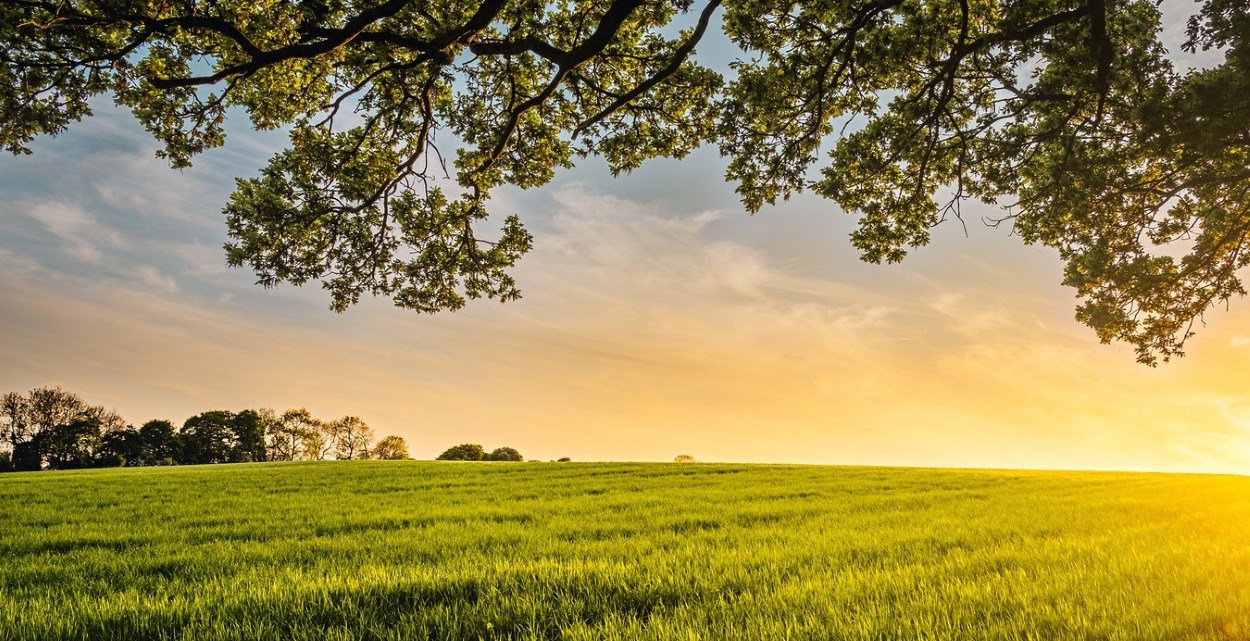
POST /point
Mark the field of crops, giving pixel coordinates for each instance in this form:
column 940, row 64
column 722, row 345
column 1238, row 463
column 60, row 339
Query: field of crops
column 412, row 550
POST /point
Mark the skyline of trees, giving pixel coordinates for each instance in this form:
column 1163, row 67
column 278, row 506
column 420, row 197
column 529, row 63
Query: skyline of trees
column 50, row 428
column 475, row 452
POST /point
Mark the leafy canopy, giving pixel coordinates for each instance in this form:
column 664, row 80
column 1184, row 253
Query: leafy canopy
column 1066, row 112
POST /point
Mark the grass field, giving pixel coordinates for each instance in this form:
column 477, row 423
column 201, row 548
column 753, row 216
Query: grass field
column 409, row 550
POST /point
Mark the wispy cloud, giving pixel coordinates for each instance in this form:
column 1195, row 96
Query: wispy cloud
column 83, row 235
column 155, row 280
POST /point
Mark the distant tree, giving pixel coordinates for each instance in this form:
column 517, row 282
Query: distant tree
column 23, row 417
column 564, row 459
column 505, row 454
column 391, row 448
column 52, row 406
column 208, row 438
column 463, row 452
column 352, row 438
column 120, row 447
column 319, row 440
column 159, row 443
column 290, row 436
column 119, row 441
column 14, row 420
column 72, row 445
column 249, row 428
column 683, row 458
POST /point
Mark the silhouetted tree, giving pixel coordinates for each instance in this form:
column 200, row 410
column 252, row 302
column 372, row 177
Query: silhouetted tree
column 23, row 417
column 464, row 452
column 120, row 447
column 208, row 438
column 505, row 454
column 70, row 446
column 391, row 448
column 14, row 419
column 683, row 458
column 248, row 427
column 160, row 443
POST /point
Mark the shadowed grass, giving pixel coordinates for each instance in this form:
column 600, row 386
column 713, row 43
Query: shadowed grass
column 408, row 550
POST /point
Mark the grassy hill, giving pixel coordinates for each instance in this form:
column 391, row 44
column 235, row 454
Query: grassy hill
column 413, row 550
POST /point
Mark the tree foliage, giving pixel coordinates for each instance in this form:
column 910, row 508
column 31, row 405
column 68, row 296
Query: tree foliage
column 463, row 452
column 290, row 435
column 70, row 446
column 505, row 454
column 160, row 443
column 393, row 448
column 1068, row 113
column 352, row 438
column 475, row 452
column 120, row 447
column 207, row 437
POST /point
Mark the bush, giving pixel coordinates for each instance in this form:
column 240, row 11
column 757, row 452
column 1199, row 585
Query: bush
column 564, row 459
column 683, row 458
column 505, row 454
column 464, row 452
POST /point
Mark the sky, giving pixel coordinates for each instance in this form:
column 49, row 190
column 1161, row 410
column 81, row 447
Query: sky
column 658, row 318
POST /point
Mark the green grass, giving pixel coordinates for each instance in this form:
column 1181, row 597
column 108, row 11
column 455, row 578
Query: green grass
column 407, row 550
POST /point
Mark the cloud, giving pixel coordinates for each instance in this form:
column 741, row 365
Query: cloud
column 18, row 266
column 83, row 235
column 605, row 256
column 189, row 199
column 198, row 259
column 153, row 279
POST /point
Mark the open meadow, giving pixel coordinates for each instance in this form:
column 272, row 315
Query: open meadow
column 416, row 550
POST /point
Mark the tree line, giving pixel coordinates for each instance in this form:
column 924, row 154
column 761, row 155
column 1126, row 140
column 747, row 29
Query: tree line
column 475, row 452
column 50, row 428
